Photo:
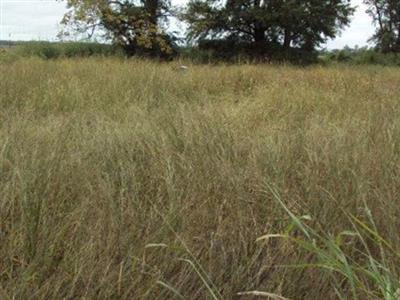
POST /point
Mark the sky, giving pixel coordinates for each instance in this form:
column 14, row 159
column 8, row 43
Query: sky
column 39, row 20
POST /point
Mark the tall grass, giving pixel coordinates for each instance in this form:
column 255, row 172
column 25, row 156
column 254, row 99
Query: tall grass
column 128, row 179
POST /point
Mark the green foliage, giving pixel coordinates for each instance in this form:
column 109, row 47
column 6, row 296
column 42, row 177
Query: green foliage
column 355, row 271
column 268, row 26
column 6, row 55
column 386, row 16
column 136, row 26
column 197, row 56
column 207, row 51
column 361, row 56
column 41, row 49
column 50, row 50
column 233, row 51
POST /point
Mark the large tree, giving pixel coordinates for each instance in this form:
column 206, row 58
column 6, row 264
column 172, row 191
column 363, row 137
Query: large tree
column 136, row 25
column 266, row 24
column 386, row 16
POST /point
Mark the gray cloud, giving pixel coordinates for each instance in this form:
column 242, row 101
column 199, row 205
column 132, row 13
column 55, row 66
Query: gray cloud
column 359, row 31
column 30, row 20
column 39, row 19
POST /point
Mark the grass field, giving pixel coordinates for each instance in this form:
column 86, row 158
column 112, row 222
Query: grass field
column 126, row 179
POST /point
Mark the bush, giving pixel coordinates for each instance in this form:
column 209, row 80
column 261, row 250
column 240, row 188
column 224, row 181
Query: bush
column 48, row 50
column 40, row 49
column 361, row 56
column 88, row 49
column 233, row 51
column 7, row 56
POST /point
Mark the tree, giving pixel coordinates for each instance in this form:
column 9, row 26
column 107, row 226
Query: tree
column 136, row 25
column 268, row 24
column 386, row 16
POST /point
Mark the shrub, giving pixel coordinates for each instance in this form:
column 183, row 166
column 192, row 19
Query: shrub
column 48, row 50
column 361, row 56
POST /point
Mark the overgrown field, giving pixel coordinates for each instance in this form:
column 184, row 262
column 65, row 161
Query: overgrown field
column 124, row 179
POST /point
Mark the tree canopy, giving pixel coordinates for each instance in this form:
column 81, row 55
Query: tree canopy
column 261, row 26
column 136, row 25
column 269, row 24
column 386, row 16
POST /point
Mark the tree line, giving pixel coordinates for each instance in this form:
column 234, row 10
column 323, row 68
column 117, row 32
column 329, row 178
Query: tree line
column 257, row 28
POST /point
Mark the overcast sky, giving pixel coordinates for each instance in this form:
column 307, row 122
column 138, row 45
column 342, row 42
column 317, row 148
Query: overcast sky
column 39, row 19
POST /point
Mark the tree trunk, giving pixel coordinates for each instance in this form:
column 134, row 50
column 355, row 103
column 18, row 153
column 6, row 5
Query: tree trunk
column 259, row 32
column 151, row 8
column 259, row 35
column 398, row 36
column 287, row 39
column 259, row 41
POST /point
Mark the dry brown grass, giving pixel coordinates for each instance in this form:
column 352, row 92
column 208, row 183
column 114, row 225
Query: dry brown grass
column 131, row 180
